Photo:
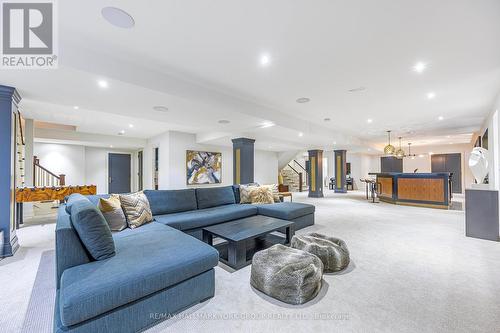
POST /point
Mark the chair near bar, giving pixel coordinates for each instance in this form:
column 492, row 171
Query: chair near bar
column 371, row 189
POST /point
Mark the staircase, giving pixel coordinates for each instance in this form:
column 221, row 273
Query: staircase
column 295, row 177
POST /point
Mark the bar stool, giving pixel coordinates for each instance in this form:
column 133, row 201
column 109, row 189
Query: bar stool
column 372, row 184
column 363, row 180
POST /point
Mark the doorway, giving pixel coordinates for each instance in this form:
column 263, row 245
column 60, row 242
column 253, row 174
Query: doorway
column 140, row 171
column 449, row 163
column 119, row 173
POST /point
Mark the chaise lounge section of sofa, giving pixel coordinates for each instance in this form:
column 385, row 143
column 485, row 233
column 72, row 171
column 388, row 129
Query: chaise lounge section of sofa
column 157, row 271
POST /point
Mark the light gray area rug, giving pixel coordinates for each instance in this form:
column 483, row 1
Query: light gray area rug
column 412, row 270
column 40, row 312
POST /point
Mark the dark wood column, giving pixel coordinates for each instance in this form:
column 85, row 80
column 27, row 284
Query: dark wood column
column 9, row 99
column 340, row 171
column 243, row 160
column 316, row 173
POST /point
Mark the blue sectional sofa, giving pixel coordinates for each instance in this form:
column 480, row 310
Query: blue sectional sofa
column 159, row 269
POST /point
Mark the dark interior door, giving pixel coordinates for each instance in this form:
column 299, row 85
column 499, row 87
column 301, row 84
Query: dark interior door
column 118, row 173
column 449, row 163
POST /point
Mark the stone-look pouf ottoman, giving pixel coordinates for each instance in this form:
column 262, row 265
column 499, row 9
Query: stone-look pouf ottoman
column 289, row 275
column 332, row 251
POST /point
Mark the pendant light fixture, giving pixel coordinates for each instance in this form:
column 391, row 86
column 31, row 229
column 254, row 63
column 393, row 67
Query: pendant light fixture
column 389, row 149
column 409, row 152
column 400, row 153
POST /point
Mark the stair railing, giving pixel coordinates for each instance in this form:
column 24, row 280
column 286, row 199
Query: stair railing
column 305, row 171
column 44, row 178
column 300, row 176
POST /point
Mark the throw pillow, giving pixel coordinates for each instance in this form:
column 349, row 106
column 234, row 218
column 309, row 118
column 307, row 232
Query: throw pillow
column 112, row 211
column 92, row 230
column 245, row 193
column 262, row 195
column 274, row 191
column 136, row 209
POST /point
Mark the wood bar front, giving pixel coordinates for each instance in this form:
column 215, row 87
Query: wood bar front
column 415, row 189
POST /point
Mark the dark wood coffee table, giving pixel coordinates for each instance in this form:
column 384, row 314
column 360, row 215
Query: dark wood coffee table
column 246, row 236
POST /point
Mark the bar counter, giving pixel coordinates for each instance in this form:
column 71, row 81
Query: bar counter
column 415, row 189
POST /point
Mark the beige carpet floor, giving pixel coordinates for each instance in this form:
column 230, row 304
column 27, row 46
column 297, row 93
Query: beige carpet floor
column 412, row 270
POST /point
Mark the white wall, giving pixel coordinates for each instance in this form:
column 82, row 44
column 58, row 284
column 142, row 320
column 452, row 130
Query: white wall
column 62, row 159
column 172, row 161
column 179, row 143
column 361, row 166
column 81, row 165
column 265, row 167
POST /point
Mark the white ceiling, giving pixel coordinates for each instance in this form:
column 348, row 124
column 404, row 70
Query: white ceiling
column 201, row 60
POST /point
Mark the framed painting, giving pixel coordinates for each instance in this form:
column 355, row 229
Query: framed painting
column 203, row 167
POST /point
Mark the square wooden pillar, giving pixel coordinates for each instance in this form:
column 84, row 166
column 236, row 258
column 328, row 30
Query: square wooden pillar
column 340, row 171
column 315, row 173
column 243, row 160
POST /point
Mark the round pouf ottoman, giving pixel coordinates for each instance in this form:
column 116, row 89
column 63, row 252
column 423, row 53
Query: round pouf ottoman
column 332, row 251
column 289, row 275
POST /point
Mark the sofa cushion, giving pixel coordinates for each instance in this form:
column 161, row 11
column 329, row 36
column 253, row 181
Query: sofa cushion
column 245, row 193
column 261, row 195
column 112, row 211
column 148, row 259
column 92, row 229
column 171, row 201
column 286, row 210
column 215, row 196
column 205, row 217
column 136, row 209
column 236, row 190
column 96, row 197
column 75, row 197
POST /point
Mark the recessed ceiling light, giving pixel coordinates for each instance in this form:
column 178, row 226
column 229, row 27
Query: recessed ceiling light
column 303, row 100
column 110, row 146
column 265, row 59
column 369, row 121
column 431, row 95
column 103, row 84
column 121, row 132
column 130, row 125
column 160, row 108
column 223, row 121
column 421, row 155
column 118, row 17
column 419, row 67
column 334, row 142
column 326, row 119
column 76, row 107
column 301, row 134
column 448, row 136
column 267, row 124
column 440, row 118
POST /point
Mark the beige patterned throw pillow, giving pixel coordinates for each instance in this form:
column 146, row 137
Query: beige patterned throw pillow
column 136, row 209
column 261, row 195
column 112, row 211
column 274, row 191
column 245, row 193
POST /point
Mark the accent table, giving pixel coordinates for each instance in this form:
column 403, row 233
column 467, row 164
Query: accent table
column 246, row 236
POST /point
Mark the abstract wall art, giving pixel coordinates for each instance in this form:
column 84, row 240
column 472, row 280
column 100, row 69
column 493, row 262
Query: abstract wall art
column 203, row 167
